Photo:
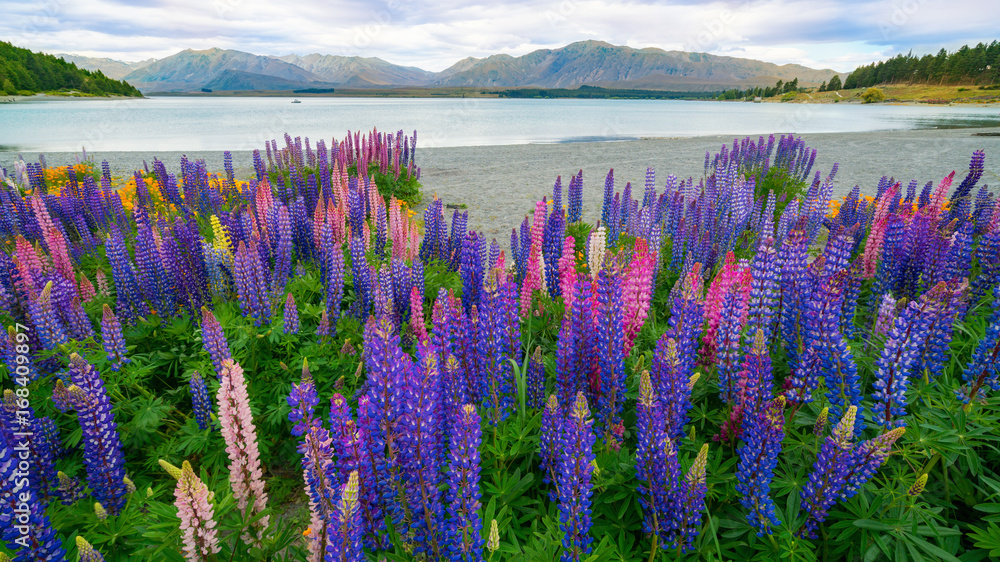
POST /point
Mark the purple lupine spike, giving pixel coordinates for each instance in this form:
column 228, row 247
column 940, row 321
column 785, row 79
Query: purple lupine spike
column 362, row 277
column 113, row 340
column 471, row 271
column 896, row 362
column 535, row 380
column 214, row 340
column 656, row 469
column 463, row 535
column 574, row 474
column 829, row 473
column 201, row 403
column 670, row 381
column 29, row 533
column 345, row 530
column 283, row 252
column 43, row 316
column 419, row 459
column 983, row 370
column 611, row 351
column 576, row 350
column 574, row 212
column 762, row 435
column 291, row 317
column 251, row 283
column 549, row 442
column 102, row 445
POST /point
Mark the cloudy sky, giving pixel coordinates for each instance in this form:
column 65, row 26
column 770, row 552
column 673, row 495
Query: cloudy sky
column 838, row 34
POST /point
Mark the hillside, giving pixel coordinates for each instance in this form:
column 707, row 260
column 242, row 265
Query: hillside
column 359, row 71
column 191, row 70
column 602, row 64
column 238, row 80
column 110, row 67
column 26, row 72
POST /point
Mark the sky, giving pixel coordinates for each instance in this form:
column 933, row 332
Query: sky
column 837, row 34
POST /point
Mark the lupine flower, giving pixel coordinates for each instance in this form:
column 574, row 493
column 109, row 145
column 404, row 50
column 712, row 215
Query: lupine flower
column 200, row 401
column 656, row 474
column 251, row 283
column 918, row 486
column 829, row 473
column 549, row 441
column 762, row 436
column 610, row 349
column 670, row 383
column 102, row 445
column 493, row 544
column 896, row 362
column 463, row 534
column 984, row 368
column 345, row 529
column 535, row 380
column 637, row 291
column 240, row 435
column 574, row 480
column 693, row 500
column 87, row 551
column 291, row 321
column 47, row 325
column 323, row 329
column 214, row 340
column 194, row 508
column 20, row 505
column 113, row 340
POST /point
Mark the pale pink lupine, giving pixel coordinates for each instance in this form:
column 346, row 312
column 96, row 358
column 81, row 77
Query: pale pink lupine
column 194, row 508
column 637, row 292
column 938, row 199
column 596, row 250
column 59, row 250
column 87, row 292
column 238, row 430
column 534, row 279
column 567, row 272
column 102, row 283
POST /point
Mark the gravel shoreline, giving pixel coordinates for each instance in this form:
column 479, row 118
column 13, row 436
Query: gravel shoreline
column 499, row 184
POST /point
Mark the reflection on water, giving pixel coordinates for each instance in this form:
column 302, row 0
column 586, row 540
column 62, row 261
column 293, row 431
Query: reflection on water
column 219, row 123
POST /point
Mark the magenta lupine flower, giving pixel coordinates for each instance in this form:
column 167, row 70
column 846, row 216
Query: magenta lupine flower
column 637, row 290
column 762, row 435
column 194, row 508
column 534, row 277
column 238, row 430
column 214, row 340
column 113, row 340
column 417, row 322
column 291, row 316
column 102, row 446
column 574, row 474
column 463, row 534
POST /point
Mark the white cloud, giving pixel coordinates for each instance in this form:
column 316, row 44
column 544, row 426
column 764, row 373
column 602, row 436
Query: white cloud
column 818, row 33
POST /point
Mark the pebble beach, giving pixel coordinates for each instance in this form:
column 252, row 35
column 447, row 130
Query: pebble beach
column 498, row 185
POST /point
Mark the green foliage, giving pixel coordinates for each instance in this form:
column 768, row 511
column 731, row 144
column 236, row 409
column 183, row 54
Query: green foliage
column 25, row 72
column 967, row 65
column 873, row 95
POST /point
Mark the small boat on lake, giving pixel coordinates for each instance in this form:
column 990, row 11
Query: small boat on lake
column 296, row 101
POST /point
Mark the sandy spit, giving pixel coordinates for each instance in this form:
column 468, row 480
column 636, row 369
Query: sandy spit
column 499, row 184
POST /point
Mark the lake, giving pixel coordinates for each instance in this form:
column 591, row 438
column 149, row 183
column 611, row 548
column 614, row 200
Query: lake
column 244, row 123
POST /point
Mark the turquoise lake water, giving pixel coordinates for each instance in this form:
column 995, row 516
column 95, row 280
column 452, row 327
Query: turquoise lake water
column 217, row 123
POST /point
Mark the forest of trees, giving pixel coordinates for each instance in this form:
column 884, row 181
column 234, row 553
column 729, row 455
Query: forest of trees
column 761, row 91
column 979, row 65
column 23, row 71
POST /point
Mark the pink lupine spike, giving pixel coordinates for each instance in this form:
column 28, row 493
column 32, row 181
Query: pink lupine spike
column 61, row 261
column 534, row 280
column 938, row 199
column 87, row 292
column 637, row 292
column 567, row 272
column 194, row 508
column 417, row 314
column 240, row 434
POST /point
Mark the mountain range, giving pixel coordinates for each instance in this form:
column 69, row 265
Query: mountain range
column 593, row 63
